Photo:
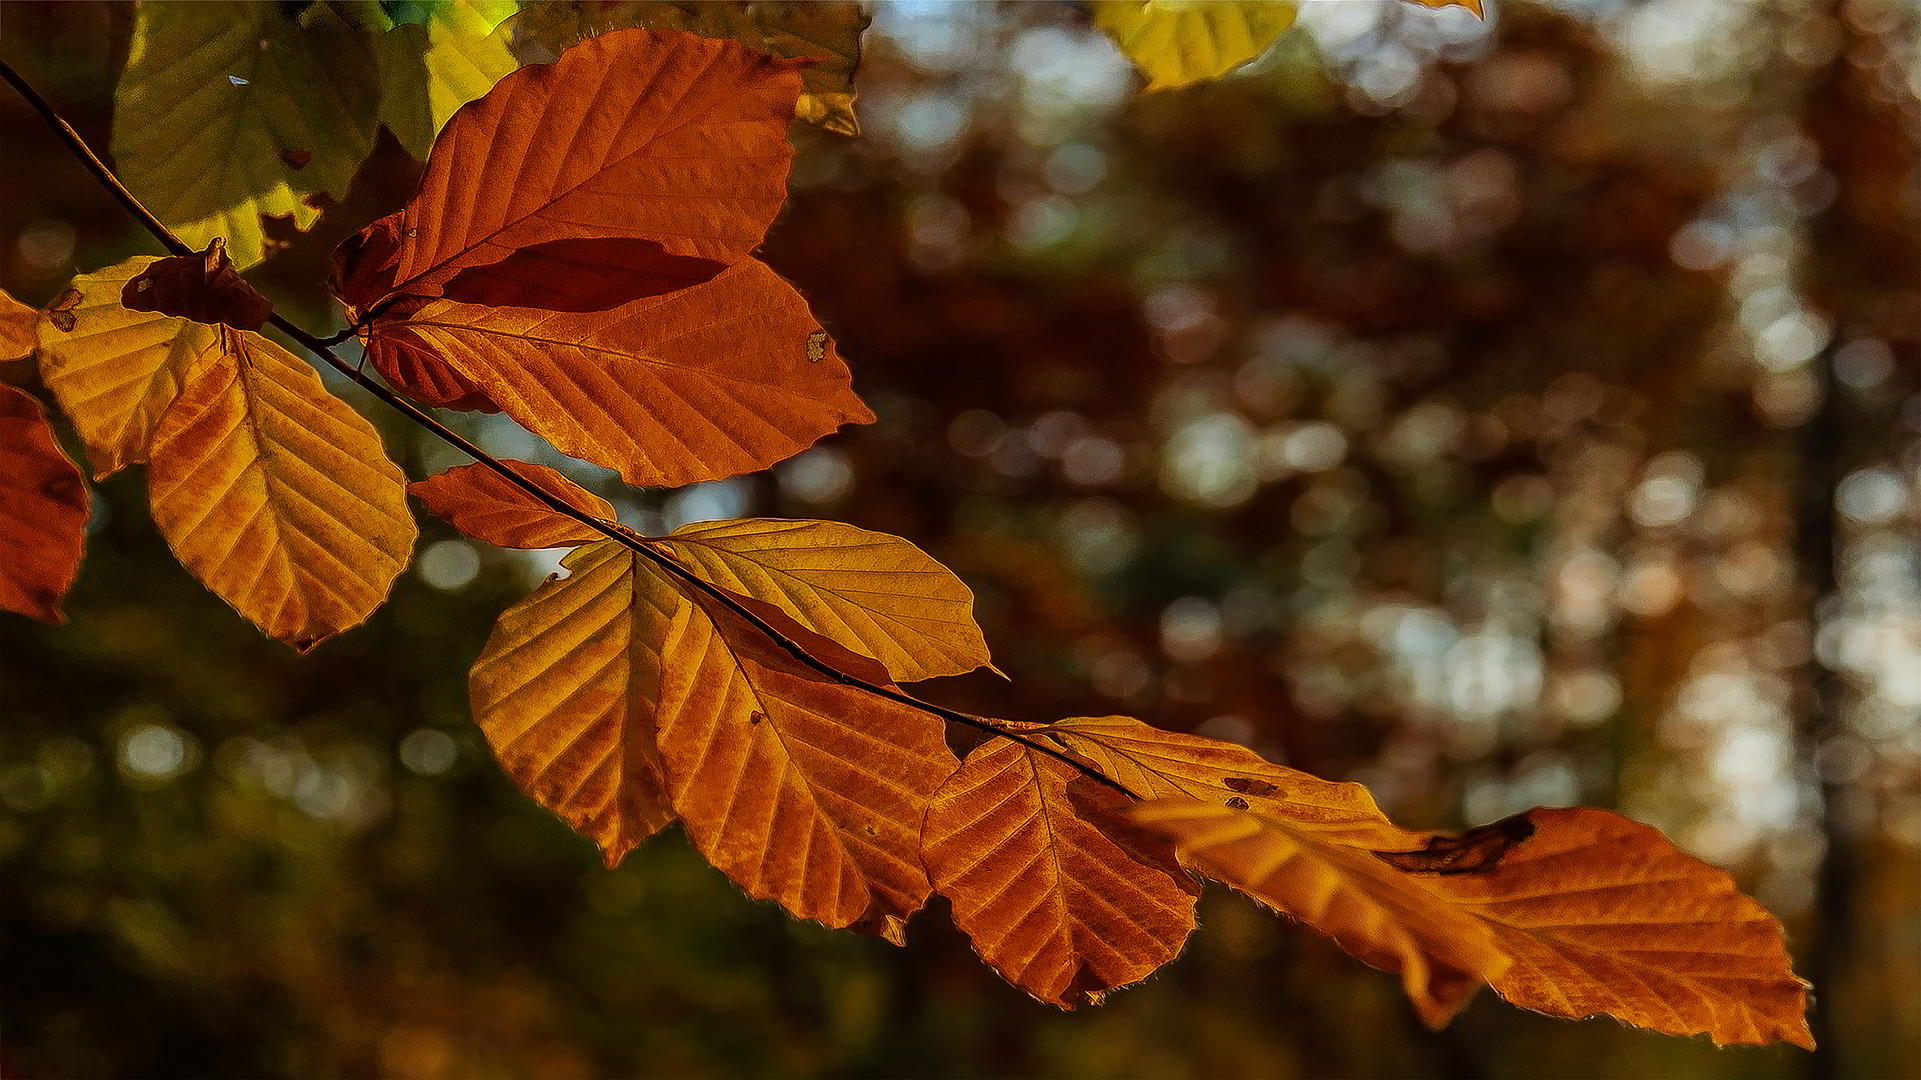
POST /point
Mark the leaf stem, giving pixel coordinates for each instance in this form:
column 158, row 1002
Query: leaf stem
column 323, row 348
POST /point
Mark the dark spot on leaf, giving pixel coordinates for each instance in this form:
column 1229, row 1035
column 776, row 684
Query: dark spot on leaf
column 298, row 159
column 1474, row 851
column 1249, row 786
column 60, row 312
column 756, row 717
column 1235, row 802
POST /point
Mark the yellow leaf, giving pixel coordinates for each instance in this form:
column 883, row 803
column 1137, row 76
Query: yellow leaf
column 1048, row 879
column 1604, row 916
column 227, row 112
column 276, row 494
column 567, row 691
column 43, row 510
column 16, row 327
column 115, row 371
column 876, row 594
column 724, row 378
column 482, row 504
column 828, row 32
column 1178, row 42
column 801, row 789
column 429, row 69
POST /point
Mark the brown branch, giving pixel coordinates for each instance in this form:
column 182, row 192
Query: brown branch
column 685, row 578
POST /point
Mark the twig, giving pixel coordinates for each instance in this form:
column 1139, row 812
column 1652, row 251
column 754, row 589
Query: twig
column 323, row 348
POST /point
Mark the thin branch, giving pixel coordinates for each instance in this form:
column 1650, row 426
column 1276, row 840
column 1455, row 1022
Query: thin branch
column 323, row 348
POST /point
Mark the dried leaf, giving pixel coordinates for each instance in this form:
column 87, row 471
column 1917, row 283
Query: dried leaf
column 485, row 506
column 1178, row 42
column 567, row 691
column 1047, row 878
column 430, row 68
column 115, row 371
column 695, row 385
column 638, row 134
column 276, row 494
column 1604, row 916
column 826, row 32
column 16, row 327
column 803, row 790
column 43, row 510
column 876, row 594
column 203, row 287
column 228, row 112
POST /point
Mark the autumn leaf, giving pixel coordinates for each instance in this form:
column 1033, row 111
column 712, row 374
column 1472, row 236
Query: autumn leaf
column 876, row 594
column 276, row 494
column 726, row 378
column 1604, row 916
column 43, row 509
column 202, row 287
column 486, row 506
column 228, row 112
column 1048, row 878
column 431, row 66
column 636, row 135
column 115, row 371
column 16, row 327
column 1178, row 42
column 826, row 32
column 567, row 690
column 1471, row 5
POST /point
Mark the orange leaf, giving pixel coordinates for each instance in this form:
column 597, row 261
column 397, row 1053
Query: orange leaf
column 567, row 690
column 723, row 378
column 801, row 789
column 1047, row 878
column 276, row 494
column 638, row 134
column 1384, row 917
column 484, row 505
column 43, row 511
column 1471, row 5
column 204, row 287
column 1603, row 915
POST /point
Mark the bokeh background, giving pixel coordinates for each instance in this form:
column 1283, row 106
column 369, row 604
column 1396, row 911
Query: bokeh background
column 1500, row 414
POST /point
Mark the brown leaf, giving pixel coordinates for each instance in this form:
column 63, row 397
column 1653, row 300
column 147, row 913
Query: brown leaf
column 699, row 384
column 276, row 494
column 637, row 134
column 567, row 691
column 16, row 327
column 485, row 506
column 585, row 274
column 204, row 287
column 1604, row 916
column 43, row 511
column 801, row 789
column 1056, row 892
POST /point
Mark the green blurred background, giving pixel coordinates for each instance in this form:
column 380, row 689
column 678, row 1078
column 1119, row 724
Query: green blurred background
column 1499, row 414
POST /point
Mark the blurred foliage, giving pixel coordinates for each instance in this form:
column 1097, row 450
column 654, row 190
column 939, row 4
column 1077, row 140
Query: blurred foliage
column 1500, row 414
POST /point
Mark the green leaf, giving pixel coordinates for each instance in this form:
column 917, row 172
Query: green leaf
column 1177, row 42
column 441, row 57
column 228, row 112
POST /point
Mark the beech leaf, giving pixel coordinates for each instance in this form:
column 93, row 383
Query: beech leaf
column 16, row 327
column 1048, row 877
column 431, row 67
column 113, row 370
column 827, row 32
column 228, row 112
column 878, row 595
column 203, row 287
column 1178, row 42
column 485, row 506
column 43, row 510
column 277, row 495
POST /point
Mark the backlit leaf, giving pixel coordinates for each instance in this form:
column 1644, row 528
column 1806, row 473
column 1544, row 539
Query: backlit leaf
column 1604, row 916
column 202, row 287
column 1047, row 879
column 567, row 691
column 431, row 67
column 1471, row 5
column 638, row 134
column 16, row 327
column 725, row 378
column 276, row 494
column 827, row 32
column 801, row 789
column 1177, row 42
column 43, row 510
column 115, row 371
column 485, row 506
column 876, row 594
column 231, row 111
